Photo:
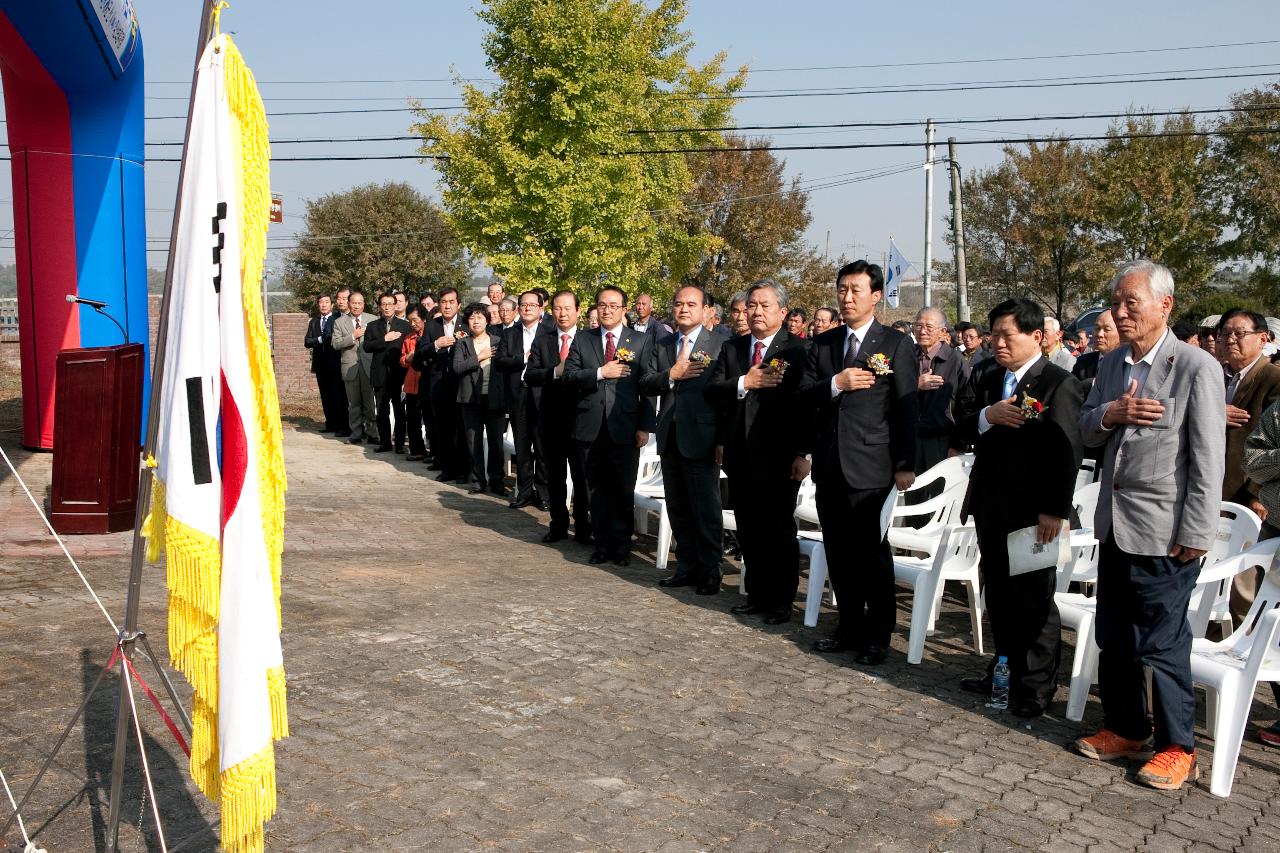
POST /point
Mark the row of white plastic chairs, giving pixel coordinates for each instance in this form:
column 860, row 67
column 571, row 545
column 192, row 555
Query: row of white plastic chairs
column 932, row 547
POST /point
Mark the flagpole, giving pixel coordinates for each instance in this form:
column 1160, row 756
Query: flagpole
column 130, row 634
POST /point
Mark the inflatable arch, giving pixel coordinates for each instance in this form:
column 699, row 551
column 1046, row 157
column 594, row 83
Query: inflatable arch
column 72, row 74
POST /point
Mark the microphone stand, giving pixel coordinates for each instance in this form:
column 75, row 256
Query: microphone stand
column 123, row 333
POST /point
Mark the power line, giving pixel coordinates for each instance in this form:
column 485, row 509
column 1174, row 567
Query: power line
column 1014, row 58
column 964, row 87
column 1024, row 140
column 936, row 62
column 318, row 139
column 795, row 91
column 958, row 121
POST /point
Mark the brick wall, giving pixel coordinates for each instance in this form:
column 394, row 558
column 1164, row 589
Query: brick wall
column 294, row 380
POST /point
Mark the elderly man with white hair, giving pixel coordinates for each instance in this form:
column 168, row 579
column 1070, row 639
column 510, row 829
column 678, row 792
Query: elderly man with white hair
column 1156, row 408
column 941, row 374
column 1051, row 345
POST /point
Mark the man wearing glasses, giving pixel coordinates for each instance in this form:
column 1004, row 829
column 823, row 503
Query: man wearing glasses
column 606, row 366
column 941, row 372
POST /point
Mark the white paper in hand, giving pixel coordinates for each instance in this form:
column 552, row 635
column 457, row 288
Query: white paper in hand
column 1028, row 555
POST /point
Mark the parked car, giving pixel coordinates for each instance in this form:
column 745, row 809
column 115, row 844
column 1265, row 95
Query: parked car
column 1086, row 320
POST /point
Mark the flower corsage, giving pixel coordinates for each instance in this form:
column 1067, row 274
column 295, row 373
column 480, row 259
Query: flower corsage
column 778, row 366
column 1031, row 407
column 879, row 364
column 624, row 355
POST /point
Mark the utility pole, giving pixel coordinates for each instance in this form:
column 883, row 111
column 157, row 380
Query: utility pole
column 826, row 252
column 957, row 233
column 929, row 131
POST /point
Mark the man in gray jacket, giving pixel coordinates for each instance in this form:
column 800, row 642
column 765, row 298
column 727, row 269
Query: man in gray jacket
column 357, row 367
column 1156, row 407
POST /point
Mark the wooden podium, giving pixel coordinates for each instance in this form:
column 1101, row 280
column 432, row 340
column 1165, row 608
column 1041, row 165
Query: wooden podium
column 97, row 428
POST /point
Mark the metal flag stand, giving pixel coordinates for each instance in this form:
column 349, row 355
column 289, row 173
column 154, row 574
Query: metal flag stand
column 129, row 635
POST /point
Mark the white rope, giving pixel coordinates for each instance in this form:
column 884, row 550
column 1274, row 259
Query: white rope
column 61, row 544
column 30, row 845
column 142, row 751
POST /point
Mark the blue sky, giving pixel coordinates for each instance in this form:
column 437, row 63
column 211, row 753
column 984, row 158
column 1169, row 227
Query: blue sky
column 321, row 41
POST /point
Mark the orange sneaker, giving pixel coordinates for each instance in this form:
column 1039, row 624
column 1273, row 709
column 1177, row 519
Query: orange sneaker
column 1106, row 745
column 1170, row 767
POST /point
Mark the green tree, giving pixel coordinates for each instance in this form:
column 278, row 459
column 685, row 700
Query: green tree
column 1249, row 169
column 374, row 237
column 531, row 178
column 1155, row 197
column 1027, row 229
column 756, row 217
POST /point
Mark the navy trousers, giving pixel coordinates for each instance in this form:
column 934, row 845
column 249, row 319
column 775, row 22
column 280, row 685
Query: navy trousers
column 1142, row 623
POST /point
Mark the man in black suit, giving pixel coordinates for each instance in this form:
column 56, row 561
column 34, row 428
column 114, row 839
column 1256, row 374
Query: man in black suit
column 556, row 403
column 613, row 420
column 687, row 443
column 434, row 357
column 326, row 364
column 522, row 402
column 862, row 379
column 766, row 440
column 1023, row 475
column 382, row 341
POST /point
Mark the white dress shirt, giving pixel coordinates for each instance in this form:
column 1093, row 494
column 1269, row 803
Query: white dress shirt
column 572, row 332
column 692, row 338
column 742, row 380
column 852, row 338
column 1138, row 371
column 1237, row 379
column 983, row 423
column 616, row 331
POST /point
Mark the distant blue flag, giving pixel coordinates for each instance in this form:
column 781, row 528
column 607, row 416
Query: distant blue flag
column 898, row 266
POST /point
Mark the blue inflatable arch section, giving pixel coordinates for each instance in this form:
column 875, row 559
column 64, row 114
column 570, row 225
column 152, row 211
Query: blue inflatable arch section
column 73, row 93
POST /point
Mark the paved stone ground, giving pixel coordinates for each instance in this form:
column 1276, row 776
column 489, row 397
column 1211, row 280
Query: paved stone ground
column 456, row 685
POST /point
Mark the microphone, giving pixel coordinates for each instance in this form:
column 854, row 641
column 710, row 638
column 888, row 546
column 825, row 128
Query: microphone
column 92, row 303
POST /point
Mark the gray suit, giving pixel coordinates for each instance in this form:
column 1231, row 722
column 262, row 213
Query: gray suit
column 1161, row 485
column 357, row 369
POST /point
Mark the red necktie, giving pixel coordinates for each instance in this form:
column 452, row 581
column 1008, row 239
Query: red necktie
column 758, row 355
column 609, row 348
column 564, row 346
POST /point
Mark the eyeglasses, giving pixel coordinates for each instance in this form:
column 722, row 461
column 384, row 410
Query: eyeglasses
column 925, row 327
column 1238, row 334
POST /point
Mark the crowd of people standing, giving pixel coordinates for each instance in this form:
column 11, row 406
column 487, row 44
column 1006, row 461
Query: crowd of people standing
column 774, row 395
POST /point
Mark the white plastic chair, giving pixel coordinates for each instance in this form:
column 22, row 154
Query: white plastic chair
column 1229, row 671
column 1238, row 530
column 1087, row 474
column 940, row 511
column 1080, row 611
column 955, row 558
column 811, row 545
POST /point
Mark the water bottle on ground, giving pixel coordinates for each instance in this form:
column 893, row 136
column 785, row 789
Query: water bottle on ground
column 1000, row 683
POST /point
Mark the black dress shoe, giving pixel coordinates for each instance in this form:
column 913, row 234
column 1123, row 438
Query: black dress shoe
column 521, row 503
column 444, row 477
column 371, row 439
column 327, row 429
column 678, row 579
column 872, row 655
column 582, row 538
column 622, row 560
column 981, row 686
column 598, row 557
column 777, row 617
column 433, row 465
column 831, row 645
column 382, row 448
column 539, row 506
column 414, row 457
column 400, row 450
column 476, row 490
column 1026, row 709
column 709, row 586
column 746, row 609
column 355, row 441
column 555, row 536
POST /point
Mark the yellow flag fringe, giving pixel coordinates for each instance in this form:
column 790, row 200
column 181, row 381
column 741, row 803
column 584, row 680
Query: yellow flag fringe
column 247, row 791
